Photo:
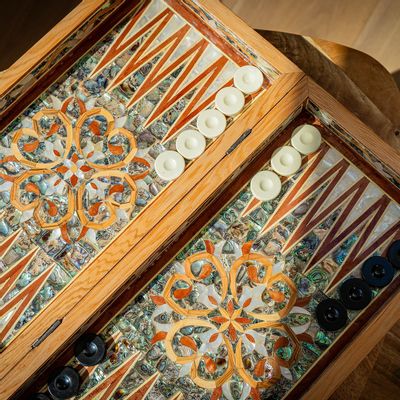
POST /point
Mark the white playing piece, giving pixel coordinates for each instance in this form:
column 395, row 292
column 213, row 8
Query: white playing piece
column 306, row 139
column 190, row 144
column 265, row 185
column 248, row 79
column 229, row 101
column 211, row 123
column 169, row 165
column 286, row 161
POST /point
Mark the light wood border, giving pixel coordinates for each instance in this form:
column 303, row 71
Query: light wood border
column 349, row 355
column 91, row 289
column 363, row 134
column 373, row 330
column 47, row 43
column 355, row 352
column 166, row 201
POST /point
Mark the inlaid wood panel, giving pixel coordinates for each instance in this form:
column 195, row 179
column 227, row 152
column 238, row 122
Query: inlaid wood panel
column 77, row 165
column 232, row 315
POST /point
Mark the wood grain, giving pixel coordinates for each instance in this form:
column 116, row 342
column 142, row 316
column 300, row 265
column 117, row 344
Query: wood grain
column 137, row 245
column 378, row 325
column 252, row 38
column 225, row 194
column 371, row 77
column 79, row 304
column 355, row 351
column 149, row 272
column 353, row 386
column 384, row 380
column 148, row 219
column 378, row 376
column 372, row 96
column 380, row 148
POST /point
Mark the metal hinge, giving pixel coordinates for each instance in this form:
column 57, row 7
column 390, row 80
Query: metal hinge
column 47, row 333
column 240, row 140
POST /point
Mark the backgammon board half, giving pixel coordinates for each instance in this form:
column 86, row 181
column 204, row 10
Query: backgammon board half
column 112, row 91
column 233, row 314
column 110, row 172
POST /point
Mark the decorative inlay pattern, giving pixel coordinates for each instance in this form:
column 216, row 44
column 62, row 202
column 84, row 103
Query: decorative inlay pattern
column 78, row 177
column 77, row 167
column 232, row 316
column 227, row 319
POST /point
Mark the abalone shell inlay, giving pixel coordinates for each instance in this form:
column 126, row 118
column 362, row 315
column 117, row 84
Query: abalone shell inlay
column 232, row 316
column 77, row 166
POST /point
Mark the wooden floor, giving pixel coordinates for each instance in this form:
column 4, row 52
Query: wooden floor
column 378, row 376
column 372, row 26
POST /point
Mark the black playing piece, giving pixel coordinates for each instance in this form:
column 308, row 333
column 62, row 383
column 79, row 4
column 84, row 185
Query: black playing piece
column 90, row 349
column 64, row 384
column 39, row 396
column 355, row 294
column 393, row 254
column 331, row 315
column 377, row 271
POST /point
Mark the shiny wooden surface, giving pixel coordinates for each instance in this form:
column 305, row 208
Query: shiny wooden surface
column 374, row 27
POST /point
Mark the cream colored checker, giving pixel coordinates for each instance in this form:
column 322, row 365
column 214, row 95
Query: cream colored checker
column 211, row 123
column 265, row 185
column 306, row 139
column 190, row 144
column 169, row 165
column 229, row 101
column 286, row 161
column 248, row 79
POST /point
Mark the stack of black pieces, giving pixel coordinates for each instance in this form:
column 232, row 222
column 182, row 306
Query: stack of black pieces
column 90, row 349
column 356, row 293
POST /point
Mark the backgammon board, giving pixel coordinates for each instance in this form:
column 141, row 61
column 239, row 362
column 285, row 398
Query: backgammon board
column 185, row 215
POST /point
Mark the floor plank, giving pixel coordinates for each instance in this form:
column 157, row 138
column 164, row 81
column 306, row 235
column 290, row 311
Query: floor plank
column 378, row 375
column 372, row 26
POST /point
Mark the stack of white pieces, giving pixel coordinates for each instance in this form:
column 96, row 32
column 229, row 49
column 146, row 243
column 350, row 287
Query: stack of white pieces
column 285, row 161
column 211, row 123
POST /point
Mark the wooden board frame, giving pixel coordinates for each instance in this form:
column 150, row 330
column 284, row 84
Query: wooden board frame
column 138, row 247
column 255, row 41
column 149, row 248
column 20, row 355
column 324, row 377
